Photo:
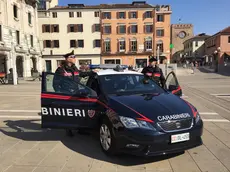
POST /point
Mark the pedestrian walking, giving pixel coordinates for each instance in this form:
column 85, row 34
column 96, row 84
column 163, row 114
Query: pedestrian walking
column 192, row 67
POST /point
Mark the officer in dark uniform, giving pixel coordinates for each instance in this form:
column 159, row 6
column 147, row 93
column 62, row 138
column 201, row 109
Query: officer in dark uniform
column 152, row 71
column 68, row 69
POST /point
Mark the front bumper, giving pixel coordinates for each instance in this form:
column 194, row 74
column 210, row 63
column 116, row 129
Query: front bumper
column 156, row 143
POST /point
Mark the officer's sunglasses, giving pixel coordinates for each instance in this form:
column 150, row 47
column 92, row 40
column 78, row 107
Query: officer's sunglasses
column 72, row 56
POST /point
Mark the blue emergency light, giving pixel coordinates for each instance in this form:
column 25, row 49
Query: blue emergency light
column 107, row 66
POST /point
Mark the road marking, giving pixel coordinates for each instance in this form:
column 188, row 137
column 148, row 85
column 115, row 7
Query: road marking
column 14, row 95
column 208, row 113
column 225, row 94
column 216, row 120
column 26, row 111
column 19, row 117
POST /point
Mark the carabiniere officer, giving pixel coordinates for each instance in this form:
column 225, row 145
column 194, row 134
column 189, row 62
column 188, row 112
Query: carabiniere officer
column 68, row 69
column 152, row 71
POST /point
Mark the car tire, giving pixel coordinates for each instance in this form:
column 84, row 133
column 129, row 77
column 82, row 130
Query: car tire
column 106, row 134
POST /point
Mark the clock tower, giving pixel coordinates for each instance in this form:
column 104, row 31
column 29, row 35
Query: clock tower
column 179, row 34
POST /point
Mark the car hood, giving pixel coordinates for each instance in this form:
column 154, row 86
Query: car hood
column 156, row 107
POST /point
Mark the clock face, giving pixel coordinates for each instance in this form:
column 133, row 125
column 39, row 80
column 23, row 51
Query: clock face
column 182, row 34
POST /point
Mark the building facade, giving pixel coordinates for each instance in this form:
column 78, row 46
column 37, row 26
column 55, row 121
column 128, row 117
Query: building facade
column 127, row 33
column 19, row 45
column 162, row 34
column 195, row 47
column 217, row 50
column 132, row 32
column 73, row 27
column 105, row 33
column 179, row 34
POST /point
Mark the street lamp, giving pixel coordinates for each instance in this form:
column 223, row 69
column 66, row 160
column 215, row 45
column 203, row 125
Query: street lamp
column 158, row 54
column 216, row 58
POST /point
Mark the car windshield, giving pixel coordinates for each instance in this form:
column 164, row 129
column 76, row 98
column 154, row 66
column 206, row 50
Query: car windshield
column 129, row 84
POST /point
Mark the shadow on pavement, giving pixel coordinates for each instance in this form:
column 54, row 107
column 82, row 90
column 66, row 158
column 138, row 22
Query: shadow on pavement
column 203, row 70
column 30, row 130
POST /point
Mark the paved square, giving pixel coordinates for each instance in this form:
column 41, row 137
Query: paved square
column 25, row 147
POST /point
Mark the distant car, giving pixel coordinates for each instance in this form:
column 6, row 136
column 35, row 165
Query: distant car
column 131, row 116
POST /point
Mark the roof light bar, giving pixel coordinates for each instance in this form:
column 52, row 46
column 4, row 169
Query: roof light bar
column 107, row 66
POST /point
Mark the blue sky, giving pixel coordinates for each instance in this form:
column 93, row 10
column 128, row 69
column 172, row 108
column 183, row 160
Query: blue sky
column 207, row 16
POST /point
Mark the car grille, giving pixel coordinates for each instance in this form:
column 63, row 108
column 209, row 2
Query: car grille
column 178, row 125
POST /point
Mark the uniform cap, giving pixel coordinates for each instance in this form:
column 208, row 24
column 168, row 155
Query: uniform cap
column 69, row 54
column 152, row 59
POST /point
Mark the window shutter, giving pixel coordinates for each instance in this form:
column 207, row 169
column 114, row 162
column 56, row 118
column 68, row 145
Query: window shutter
column 52, row 28
column 102, row 29
column 94, row 43
column 118, row 47
column 102, row 46
column 118, row 30
column 130, row 45
column 83, row 44
column 144, row 15
column 43, row 28
column 52, row 44
column 144, row 29
column 129, row 13
column 44, row 44
column 129, row 29
column 76, row 43
column 76, row 28
column 58, row 28
column 137, row 14
column 82, row 28
column 117, row 15
column 68, row 28
column 93, row 28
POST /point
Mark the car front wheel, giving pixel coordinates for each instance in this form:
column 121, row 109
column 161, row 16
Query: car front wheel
column 107, row 139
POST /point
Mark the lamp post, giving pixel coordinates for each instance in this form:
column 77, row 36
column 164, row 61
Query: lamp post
column 158, row 54
column 216, row 58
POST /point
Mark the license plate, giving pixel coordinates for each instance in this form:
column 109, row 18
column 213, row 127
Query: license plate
column 179, row 137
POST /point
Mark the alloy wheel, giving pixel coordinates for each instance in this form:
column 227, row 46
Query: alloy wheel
column 105, row 137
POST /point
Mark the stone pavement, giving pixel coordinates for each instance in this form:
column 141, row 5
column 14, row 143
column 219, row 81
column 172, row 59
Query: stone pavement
column 25, row 147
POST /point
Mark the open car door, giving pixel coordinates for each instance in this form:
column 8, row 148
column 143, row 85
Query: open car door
column 172, row 85
column 66, row 103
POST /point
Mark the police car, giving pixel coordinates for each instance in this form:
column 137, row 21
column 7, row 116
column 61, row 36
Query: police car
column 131, row 116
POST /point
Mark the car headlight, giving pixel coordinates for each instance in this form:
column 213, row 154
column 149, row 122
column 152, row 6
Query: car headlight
column 197, row 119
column 132, row 123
